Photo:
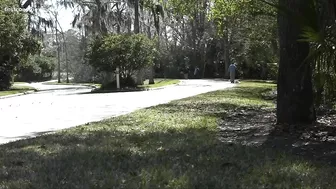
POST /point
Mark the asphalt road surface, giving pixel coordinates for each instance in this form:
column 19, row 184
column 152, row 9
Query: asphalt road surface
column 58, row 107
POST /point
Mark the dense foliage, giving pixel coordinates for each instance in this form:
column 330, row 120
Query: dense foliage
column 16, row 45
column 320, row 33
column 193, row 30
column 127, row 52
column 37, row 68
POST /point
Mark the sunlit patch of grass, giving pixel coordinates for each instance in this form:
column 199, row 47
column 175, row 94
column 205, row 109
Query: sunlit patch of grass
column 159, row 83
column 71, row 83
column 18, row 83
column 16, row 90
column 172, row 145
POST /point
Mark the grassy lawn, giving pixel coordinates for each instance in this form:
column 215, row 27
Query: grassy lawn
column 64, row 83
column 160, row 83
column 15, row 83
column 194, row 143
column 16, row 90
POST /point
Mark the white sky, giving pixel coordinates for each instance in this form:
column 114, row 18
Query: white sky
column 65, row 18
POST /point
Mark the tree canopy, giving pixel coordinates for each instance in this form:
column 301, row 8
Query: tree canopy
column 127, row 52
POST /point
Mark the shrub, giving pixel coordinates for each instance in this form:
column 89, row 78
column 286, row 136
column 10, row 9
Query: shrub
column 128, row 52
column 37, row 68
column 124, row 82
column 272, row 71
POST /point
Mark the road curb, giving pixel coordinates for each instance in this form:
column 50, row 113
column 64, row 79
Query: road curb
column 137, row 90
column 16, row 95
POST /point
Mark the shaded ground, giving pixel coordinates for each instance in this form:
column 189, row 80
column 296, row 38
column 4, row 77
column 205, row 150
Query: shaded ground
column 198, row 142
column 256, row 126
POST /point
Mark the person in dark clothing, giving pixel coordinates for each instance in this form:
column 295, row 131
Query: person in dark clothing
column 196, row 72
column 232, row 71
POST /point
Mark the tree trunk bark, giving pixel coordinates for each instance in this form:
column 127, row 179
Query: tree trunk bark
column 194, row 59
column 295, row 92
column 226, row 54
column 139, row 79
column 136, row 17
column 152, row 70
column 119, row 19
column 129, row 25
column 58, row 56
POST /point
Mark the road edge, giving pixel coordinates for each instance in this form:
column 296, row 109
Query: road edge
column 18, row 94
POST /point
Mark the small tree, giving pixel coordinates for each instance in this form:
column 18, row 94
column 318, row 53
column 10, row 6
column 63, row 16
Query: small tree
column 128, row 52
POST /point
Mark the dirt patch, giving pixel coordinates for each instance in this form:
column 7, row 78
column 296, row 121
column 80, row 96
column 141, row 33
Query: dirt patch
column 247, row 126
column 257, row 127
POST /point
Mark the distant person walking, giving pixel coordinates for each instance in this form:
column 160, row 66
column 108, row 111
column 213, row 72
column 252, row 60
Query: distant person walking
column 232, row 71
column 196, row 72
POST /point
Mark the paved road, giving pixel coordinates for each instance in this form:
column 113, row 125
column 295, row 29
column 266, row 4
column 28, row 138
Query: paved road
column 58, row 107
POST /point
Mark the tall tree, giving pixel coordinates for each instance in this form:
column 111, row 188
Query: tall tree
column 157, row 12
column 139, row 79
column 295, row 92
column 136, row 17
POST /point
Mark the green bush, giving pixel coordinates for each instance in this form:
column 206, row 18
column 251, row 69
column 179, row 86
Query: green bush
column 124, row 82
column 37, row 68
column 272, row 71
column 6, row 71
column 128, row 52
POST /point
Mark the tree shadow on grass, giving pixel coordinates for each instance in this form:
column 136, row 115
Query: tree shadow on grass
column 315, row 142
column 176, row 145
column 113, row 159
column 261, row 81
column 117, row 154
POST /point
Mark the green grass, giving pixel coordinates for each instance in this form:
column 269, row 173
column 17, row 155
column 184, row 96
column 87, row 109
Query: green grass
column 159, row 83
column 20, row 83
column 16, row 90
column 174, row 145
column 64, row 83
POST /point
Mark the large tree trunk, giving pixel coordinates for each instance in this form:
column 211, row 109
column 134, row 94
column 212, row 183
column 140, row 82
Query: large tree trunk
column 194, row 59
column 152, row 70
column 119, row 19
column 140, row 73
column 58, row 55
column 295, row 92
column 136, row 17
column 226, row 53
